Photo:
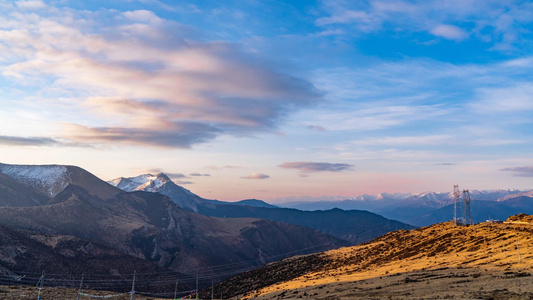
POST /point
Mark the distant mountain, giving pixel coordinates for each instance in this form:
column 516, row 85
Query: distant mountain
column 386, row 202
column 160, row 183
column 481, row 210
column 355, row 226
column 146, row 225
column 424, row 208
column 362, row 202
column 253, row 202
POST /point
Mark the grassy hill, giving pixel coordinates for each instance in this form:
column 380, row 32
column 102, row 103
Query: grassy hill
column 487, row 261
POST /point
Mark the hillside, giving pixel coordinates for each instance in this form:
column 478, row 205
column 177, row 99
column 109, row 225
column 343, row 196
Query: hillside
column 443, row 260
column 143, row 225
column 354, row 226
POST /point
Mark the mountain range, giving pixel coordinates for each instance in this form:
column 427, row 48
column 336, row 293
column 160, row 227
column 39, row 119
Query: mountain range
column 354, row 226
column 76, row 220
column 429, row 208
column 70, row 203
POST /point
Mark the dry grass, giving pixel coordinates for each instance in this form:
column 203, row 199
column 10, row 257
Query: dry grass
column 437, row 262
column 440, row 261
column 55, row 293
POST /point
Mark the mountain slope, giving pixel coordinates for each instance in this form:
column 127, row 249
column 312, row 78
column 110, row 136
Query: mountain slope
column 12, row 193
column 25, row 254
column 160, row 183
column 50, row 180
column 152, row 227
column 439, row 261
column 354, row 226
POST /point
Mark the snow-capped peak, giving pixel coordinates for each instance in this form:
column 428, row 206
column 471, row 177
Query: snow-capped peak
column 50, row 179
column 144, row 182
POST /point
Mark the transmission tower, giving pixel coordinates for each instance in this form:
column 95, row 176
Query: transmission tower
column 456, row 205
column 467, row 213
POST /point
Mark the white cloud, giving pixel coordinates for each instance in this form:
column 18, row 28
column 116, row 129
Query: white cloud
column 311, row 167
column 430, row 140
column 30, row 4
column 517, row 98
column 348, row 16
column 256, row 176
column 141, row 76
column 500, row 23
column 450, row 32
column 142, row 16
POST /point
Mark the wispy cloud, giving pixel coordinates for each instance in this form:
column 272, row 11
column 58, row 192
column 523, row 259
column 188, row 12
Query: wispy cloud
column 183, row 182
column 158, row 170
column 217, row 168
column 178, row 135
column 431, row 140
column 30, row 4
column 36, row 141
column 450, row 32
column 515, row 98
column 500, row 23
column 316, row 128
column 520, row 171
column 311, row 167
column 27, row 141
column 256, row 176
column 200, row 174
column 152, row 84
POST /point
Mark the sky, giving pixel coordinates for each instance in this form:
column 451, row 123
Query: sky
column 273, row 99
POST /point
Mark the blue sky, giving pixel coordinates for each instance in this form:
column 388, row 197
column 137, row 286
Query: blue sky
column 273, row 99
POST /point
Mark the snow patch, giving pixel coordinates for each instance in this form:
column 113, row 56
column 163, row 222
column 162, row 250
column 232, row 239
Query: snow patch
column 145, row 182
column 50, row 179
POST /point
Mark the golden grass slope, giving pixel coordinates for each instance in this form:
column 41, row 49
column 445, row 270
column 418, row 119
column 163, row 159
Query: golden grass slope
column 483, row 261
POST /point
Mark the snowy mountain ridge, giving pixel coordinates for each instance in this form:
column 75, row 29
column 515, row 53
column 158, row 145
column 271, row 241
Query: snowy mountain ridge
column 385, row 201
column 49, row 179
column 159, row 183
column 144, row 182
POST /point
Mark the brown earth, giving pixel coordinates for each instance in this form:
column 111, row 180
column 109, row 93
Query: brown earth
column 443, row 261
column 55, row 293
column 521, row 218
column 483, row 261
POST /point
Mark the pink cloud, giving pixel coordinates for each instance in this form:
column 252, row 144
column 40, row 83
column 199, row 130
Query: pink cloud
column 149, row 85
column 310, row 167
column 256, row 176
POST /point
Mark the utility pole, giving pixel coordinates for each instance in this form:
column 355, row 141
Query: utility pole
column 41, row 282
column 132, row 286
column 196, row 284
column 212, row 290
column 176, row 289
column 467, row 209
column 79, row 290
column 456, row 195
